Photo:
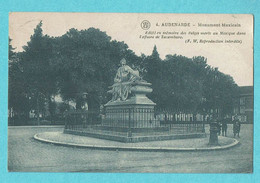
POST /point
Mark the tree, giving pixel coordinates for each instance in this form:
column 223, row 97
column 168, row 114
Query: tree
column 185, row 87
column 87, row 62
column 81, row 63
column 153, row 74
column 38, row 71
column 182, row 83
column 18, row 104
column 220, row 91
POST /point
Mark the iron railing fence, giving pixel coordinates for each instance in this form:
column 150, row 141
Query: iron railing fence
column 82, row 118
column 140, row 121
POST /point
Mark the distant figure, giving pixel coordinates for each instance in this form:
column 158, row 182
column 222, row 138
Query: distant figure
column 224, row 127
column 236, row 126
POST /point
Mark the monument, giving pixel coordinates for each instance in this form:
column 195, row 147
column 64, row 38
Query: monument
column 129, row 106
column 129, row 115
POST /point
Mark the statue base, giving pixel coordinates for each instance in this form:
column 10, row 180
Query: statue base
column 135, row 112
column 130, row 114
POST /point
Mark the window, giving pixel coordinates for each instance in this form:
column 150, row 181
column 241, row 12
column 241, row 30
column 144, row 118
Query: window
column 242, row 101
column 242, row 109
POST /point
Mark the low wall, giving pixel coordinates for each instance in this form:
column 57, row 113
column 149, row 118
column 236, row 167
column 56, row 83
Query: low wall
column 126, row 139
column 133, row 130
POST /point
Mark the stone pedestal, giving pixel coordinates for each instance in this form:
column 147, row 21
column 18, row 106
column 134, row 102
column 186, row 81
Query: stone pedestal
column 135, row 112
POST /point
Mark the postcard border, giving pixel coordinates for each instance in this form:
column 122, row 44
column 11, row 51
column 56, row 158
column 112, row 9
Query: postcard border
column 129, row 6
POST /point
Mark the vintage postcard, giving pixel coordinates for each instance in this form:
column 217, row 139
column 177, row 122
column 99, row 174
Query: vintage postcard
column 130, row 92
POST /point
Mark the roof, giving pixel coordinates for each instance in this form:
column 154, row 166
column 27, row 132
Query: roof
column 246, row 90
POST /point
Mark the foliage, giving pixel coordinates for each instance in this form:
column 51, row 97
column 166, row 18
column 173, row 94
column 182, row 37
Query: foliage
column 86, row 61
column 17, row 97
column 183, row 83
column 31, row 74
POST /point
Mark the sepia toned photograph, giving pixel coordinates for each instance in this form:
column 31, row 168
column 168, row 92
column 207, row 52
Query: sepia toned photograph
column 130, row 92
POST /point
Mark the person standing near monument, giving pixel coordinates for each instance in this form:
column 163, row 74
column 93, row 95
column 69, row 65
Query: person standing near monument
column 236, row 126
column 224, row 127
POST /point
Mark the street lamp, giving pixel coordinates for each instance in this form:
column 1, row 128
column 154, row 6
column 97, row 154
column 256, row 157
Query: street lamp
column 216, row 107
column 213, row 138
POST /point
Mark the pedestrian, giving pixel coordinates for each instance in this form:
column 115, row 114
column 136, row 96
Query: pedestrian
column 236, row 126
column 224, row 128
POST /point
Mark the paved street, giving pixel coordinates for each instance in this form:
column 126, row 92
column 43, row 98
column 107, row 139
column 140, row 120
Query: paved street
column 28, row 155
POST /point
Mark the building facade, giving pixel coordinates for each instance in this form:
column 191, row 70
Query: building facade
column 246, row 103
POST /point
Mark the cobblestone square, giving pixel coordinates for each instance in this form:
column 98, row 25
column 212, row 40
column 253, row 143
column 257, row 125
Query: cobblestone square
column 28, row 155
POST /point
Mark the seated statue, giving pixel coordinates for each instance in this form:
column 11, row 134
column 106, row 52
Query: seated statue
column 125, row 76
column 126, row 73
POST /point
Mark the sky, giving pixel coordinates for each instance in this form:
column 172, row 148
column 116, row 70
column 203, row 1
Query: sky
column 235, row 59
